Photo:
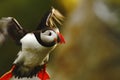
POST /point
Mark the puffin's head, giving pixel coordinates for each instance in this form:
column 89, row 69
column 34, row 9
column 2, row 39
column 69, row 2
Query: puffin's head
column 49, row 37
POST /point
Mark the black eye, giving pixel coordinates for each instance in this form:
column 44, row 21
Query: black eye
column 50, row 34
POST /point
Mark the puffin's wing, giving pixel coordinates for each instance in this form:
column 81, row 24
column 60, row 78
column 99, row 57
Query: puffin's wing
column 51, row 19
column 10, row 26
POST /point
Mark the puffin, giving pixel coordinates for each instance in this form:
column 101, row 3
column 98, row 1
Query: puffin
column 36, row 45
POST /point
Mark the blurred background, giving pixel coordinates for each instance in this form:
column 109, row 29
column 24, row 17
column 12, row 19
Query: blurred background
column 92, row 32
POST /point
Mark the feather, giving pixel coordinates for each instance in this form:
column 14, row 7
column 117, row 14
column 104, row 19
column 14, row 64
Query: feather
column 10, row 27
column 51, row 19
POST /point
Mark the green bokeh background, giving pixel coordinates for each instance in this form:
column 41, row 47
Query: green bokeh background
column 92, row 49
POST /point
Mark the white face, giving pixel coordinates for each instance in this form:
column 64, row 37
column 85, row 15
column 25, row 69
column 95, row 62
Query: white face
column 48, row 36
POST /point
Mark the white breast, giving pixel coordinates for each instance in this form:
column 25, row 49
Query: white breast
column 30, row 41
column 32, row 52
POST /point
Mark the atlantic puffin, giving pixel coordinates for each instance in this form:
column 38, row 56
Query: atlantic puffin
column 36, row 45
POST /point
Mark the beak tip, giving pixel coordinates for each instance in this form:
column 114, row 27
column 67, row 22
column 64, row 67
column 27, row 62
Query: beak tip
column 62, row 40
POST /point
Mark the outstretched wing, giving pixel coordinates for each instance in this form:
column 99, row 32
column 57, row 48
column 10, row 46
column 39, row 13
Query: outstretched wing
column 10, row 26
column 50, row 19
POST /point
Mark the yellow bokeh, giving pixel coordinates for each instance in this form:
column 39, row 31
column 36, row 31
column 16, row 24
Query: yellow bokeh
column 68, row 5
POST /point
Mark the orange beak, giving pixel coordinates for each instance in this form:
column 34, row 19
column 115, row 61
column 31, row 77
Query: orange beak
column 60, row 38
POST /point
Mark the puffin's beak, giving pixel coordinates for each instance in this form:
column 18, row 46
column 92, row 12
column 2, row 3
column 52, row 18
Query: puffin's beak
column 60, row 38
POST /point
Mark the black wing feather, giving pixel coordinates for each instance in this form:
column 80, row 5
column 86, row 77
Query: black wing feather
column 50, row 19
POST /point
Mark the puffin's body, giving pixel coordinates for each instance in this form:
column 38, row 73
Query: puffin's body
column 31, row 47
column 35, row 46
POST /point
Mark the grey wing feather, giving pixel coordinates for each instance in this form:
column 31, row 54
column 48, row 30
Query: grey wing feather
column 10, row 26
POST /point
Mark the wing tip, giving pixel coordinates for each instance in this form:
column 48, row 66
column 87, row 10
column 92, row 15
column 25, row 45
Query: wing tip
column 54, row 18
